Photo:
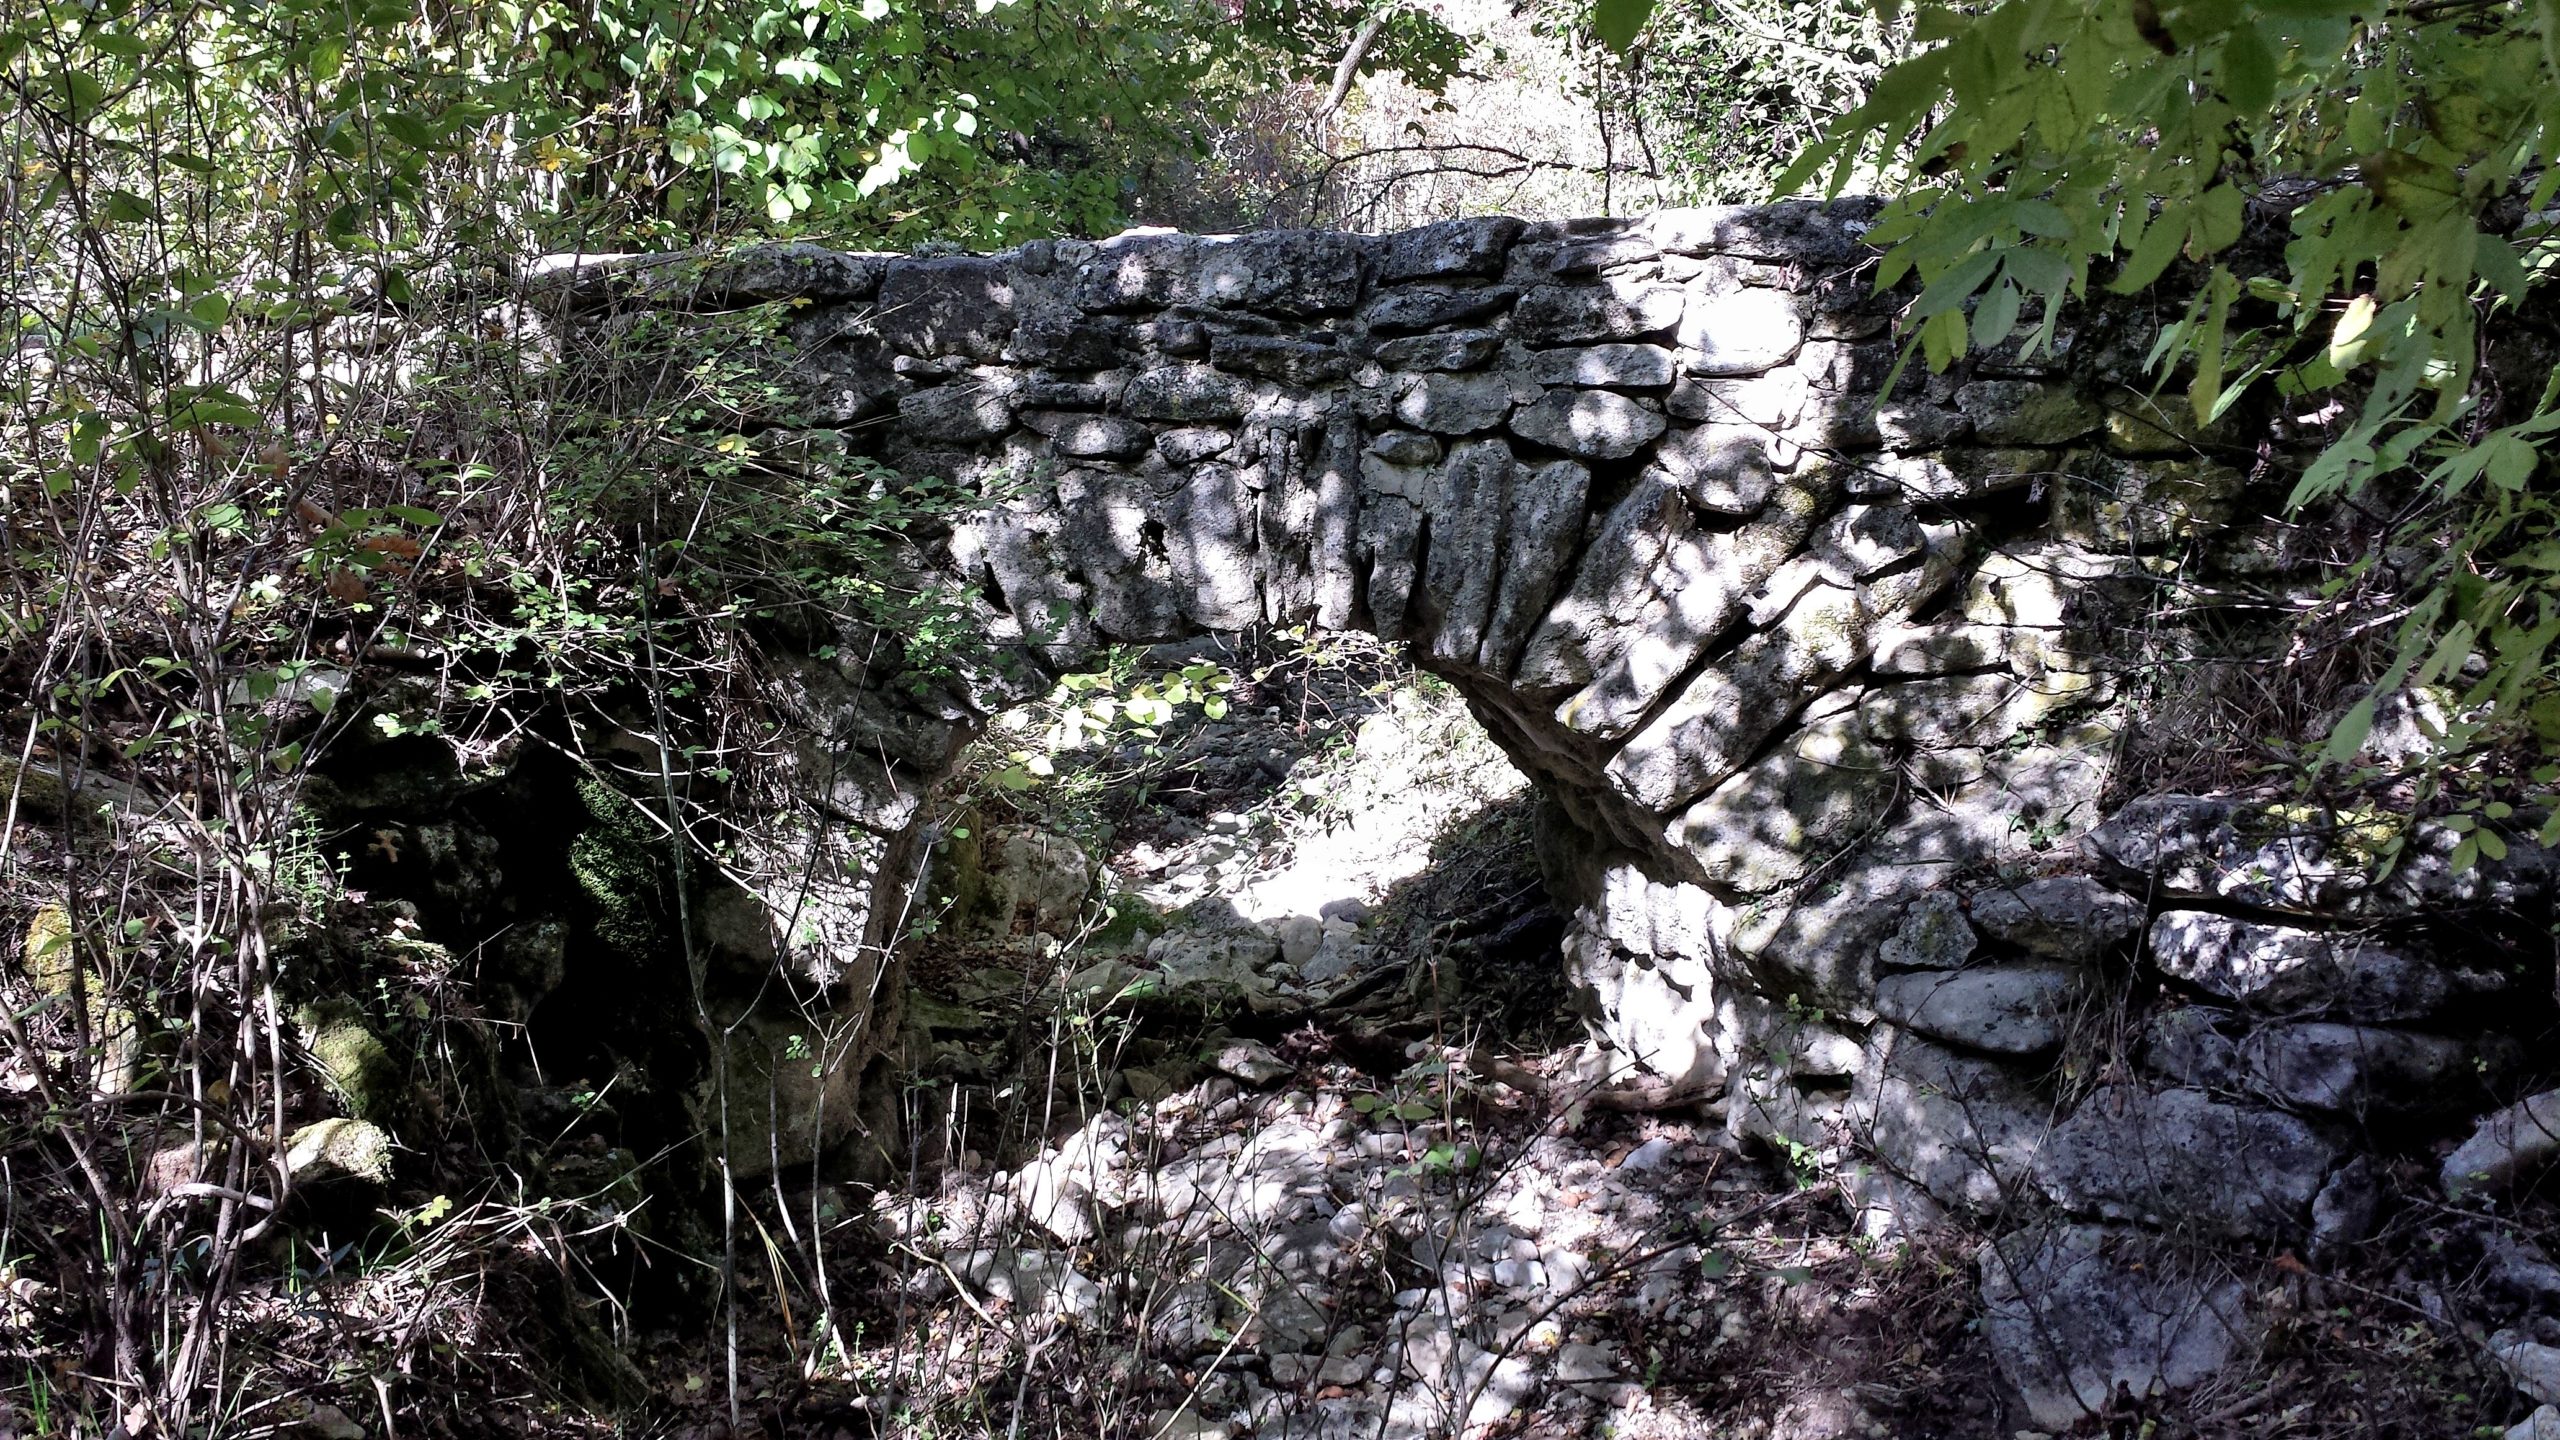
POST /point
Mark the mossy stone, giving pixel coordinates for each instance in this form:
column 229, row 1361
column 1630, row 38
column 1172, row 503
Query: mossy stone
column 360, row 1067
column 339, row 1148
column 51, row 958
column 615, row 861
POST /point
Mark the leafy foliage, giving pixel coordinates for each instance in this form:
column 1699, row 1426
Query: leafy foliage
column 2033, row 149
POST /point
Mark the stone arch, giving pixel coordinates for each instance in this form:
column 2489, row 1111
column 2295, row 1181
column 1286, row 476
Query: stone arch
column 1782, row 649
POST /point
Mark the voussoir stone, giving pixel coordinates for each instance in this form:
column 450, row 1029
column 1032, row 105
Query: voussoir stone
column 1595, row 424
column 2069, row 917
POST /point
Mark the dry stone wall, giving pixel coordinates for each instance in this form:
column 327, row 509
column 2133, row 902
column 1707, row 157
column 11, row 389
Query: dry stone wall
column 1822, row 680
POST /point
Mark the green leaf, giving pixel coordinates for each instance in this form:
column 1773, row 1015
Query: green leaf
column 2347, row 737
column 1619, row 22
column 2220, row 215
column 2248, row 69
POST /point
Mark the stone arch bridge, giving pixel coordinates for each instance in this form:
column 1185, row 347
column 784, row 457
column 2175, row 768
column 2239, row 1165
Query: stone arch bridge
column 1779, row 645
column 1821, row 677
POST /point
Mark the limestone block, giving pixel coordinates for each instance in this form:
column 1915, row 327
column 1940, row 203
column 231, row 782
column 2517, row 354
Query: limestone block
column 1726, row 469
column 1739, row 332
column 2067, row 917
column 1284, row 272
column 1473, row 247
column 1443, row 350
column 1619, row 366
column 1775, row 400
column 1185, row 392
column 2283, row 968
column 2511, row 1146
column 1594, row 424
column 1455, row 404
column 1796, row 232
column 2118, row 505
column 1967, row 1130
column 1404, row 312
column 2028, row 412
column 962, row 305
column 1142, row 271
column 1933, row 935
column 1277, row 357
column 1090, row 437
column 2181, row 1158
column 2076, row 1312
column 2367, row 1071
column 1613, row 309
column 2005, row 1009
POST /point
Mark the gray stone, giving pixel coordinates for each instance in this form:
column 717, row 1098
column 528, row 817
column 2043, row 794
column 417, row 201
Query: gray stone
column 1595, row 424
column 2069, row 917
column 2182, row 1158
column 1739, row 332
column 1590, row 257
column 960, row 306
column 2028, row 412
column 1091, row 437
column 1141, row 272
column 1253, row 1064
column 1068, row 340
column 2534, row 1367
column 2006, row 1009
column 956, row 413
column 1284, row 272
column 1185, row 392
column 1794, row 232
column 1404, row 447
column 1455, row 404
column 2076, row 1312
column 1189, row 447
column 2509, row 1147
column 1933, row 935
column 1964, row 473
column 1298, row 935
column 1276, row 357
column 2367, row 1071
column 1400, row 312
column 2308, row 860
column 791, row 270
column 1446, row 350
column 1450, row 248
column 1725, row 469
column 2281, row 968
column 1774, row 401
column 1966, row 1130
column 2186, row 1047
column 1566, row 315
column 1624, row 367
